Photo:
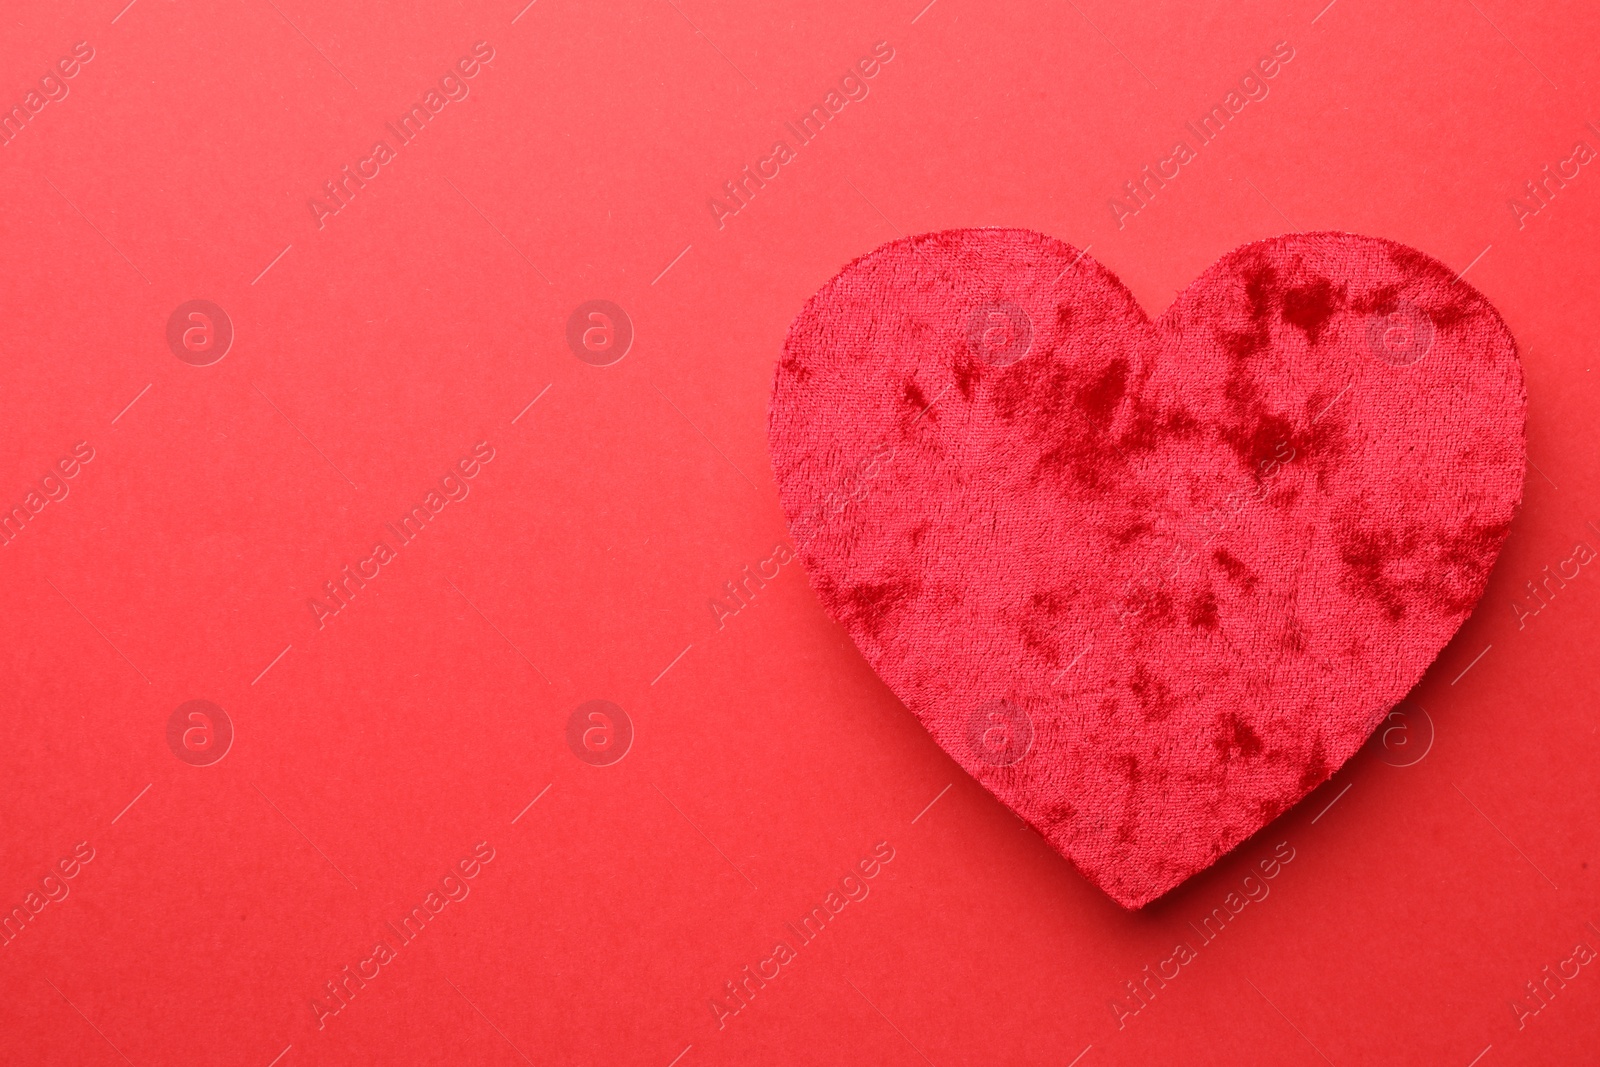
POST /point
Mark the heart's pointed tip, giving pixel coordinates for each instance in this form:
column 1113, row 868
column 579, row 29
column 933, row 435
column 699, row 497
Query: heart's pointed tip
column 1134, row 903
column 1135, row 898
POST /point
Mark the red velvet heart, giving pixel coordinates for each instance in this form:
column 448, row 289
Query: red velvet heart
column 1149, row 582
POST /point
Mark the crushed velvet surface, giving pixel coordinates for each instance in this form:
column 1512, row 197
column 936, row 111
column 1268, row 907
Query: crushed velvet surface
column 1150, row 582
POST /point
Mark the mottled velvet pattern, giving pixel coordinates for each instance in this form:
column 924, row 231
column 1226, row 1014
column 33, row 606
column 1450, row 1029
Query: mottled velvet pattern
column 1150, row 582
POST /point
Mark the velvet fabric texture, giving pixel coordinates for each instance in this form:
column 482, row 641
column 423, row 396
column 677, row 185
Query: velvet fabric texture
column 1149, row 582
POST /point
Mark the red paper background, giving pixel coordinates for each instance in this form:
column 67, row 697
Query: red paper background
column 371, row 354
